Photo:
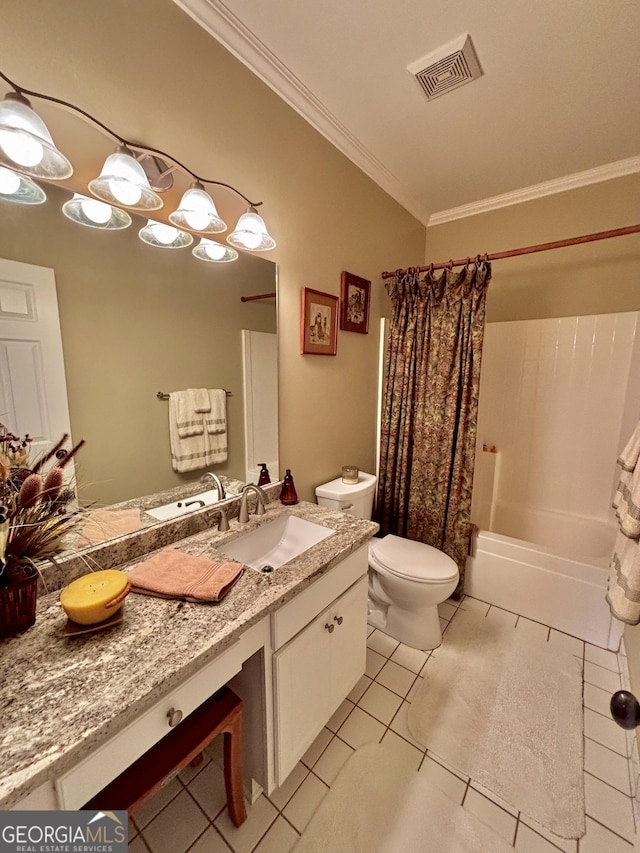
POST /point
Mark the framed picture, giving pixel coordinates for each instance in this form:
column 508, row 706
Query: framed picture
column 318, row 323
column 354, row 303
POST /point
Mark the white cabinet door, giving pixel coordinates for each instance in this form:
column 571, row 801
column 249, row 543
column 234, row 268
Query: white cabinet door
column 315, row 671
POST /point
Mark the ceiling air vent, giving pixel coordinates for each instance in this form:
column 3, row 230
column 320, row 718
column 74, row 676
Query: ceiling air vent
column 452, row 65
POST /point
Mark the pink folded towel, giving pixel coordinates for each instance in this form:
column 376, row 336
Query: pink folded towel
column 173, row 574
column 102, row 524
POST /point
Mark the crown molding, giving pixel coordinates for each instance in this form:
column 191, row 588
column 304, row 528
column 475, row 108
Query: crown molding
column 619, row 169
column 214, row 17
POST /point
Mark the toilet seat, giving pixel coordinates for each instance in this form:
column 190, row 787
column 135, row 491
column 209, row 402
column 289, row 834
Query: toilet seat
column 412, row 560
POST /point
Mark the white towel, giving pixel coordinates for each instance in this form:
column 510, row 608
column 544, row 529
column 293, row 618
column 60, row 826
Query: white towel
column 191, row 450
column 626, row 501
column 623, row 592
column 216, row 417
column 201, row 401
column 183, row 413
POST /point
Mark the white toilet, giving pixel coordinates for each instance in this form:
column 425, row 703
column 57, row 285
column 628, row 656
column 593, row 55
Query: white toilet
column 407, row 579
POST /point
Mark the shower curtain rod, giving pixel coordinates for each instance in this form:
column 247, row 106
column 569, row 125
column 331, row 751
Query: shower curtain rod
column 527, row 250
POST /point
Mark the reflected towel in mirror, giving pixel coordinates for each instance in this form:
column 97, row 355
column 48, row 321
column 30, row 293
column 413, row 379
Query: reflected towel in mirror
column 103, row 524
column 182, row 409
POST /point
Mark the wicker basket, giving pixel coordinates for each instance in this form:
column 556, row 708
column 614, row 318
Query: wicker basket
column 18, row 606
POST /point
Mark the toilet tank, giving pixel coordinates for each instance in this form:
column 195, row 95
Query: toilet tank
column 356, row 499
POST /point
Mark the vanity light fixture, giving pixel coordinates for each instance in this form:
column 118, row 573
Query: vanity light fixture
column 95, row 214
column 19, row 189
column 164, row 236
column 198, row 212
column 131, row 178
column 25, row 143
column 209, row 250
column 123, row 181
column 251, row 233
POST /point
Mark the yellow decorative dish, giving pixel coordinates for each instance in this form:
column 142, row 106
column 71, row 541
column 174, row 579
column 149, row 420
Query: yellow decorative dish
column 95, row 597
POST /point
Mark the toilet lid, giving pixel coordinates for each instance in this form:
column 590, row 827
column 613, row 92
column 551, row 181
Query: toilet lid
column 413, row 560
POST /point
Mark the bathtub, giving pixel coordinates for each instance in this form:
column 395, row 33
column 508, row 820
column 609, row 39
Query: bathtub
column 532, row 580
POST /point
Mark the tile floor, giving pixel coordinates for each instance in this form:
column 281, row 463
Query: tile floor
column 190, row 813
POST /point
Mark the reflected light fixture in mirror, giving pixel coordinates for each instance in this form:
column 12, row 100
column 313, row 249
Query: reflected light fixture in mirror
column 209, row 250
column 19, row 189
column 164, row 236
column 251, row 233
column 26, row 143
column 197, row 212
column 95, row 214
column 26, row 147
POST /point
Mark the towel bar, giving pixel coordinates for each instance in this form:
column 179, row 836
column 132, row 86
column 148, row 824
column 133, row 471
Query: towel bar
column 162, row 396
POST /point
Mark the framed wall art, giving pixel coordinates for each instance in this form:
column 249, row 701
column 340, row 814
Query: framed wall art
column 318, row 323
column 354, row 303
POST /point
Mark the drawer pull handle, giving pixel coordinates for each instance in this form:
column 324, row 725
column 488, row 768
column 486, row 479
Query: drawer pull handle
column 330, row 628
column 338, row 619
column 174, row 716
column 346, row 507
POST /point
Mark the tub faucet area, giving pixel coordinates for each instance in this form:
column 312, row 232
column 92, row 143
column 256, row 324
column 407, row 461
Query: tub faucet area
column 262, row 501
column 214, row 480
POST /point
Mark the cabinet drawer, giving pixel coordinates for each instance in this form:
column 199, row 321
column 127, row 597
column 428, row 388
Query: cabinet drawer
column 108, row 761
column 293, row 616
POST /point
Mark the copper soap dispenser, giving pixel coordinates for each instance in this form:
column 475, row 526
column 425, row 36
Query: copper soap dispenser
column 288, row 494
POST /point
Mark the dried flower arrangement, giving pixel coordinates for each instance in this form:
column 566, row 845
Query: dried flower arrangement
column 36, row 507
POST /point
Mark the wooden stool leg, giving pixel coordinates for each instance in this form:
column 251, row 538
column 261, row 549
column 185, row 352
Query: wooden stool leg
column 233, row 769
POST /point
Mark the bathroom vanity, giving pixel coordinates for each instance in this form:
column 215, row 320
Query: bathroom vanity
column 77, row 711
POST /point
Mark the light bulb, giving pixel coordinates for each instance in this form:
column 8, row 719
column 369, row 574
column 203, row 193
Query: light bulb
column 214, row 250
column 124, row 191
column 250, row 239
column 21, row 148
column 96, row 211
column 165, row 234
column 9, row 182
column 196, row 219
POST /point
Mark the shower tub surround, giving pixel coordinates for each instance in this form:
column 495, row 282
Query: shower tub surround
column 533, row 581
column 102, row 683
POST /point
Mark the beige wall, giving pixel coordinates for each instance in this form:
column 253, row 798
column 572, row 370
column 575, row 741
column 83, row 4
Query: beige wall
column 147, row 70
column 593, row 278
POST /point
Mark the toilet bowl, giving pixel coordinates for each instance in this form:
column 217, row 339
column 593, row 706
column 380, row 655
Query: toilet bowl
column 407, row 579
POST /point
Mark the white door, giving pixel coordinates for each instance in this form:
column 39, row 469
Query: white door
column 33, row 389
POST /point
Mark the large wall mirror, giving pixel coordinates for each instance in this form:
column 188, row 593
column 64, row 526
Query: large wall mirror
column 136, row 320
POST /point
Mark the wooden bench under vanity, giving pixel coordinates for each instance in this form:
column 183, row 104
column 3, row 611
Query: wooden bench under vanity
column 78, row 712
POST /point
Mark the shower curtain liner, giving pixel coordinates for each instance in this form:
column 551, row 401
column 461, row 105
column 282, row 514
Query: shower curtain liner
column 430, row 406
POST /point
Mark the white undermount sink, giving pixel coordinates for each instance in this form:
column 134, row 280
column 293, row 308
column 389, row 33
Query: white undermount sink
column 185, row 505
column 275, row 543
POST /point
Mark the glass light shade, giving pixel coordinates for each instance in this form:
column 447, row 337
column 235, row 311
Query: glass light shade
column 198, row 212
column 164, row 236
column 251, row 233
column 123, row 181
column 26, row 144
column 95, row 214
column 19, row 189
column 216, row 253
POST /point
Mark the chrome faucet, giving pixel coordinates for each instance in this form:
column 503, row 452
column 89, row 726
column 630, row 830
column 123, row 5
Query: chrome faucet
column 210, row 476
column 223, row 524
column 262, row 501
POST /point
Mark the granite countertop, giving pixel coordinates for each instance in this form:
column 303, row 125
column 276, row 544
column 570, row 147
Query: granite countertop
column 61, row 697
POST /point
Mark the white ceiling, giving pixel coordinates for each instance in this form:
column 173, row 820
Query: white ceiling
column 560, row 93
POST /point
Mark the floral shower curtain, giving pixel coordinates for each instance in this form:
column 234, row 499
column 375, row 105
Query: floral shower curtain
column 430, row 407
